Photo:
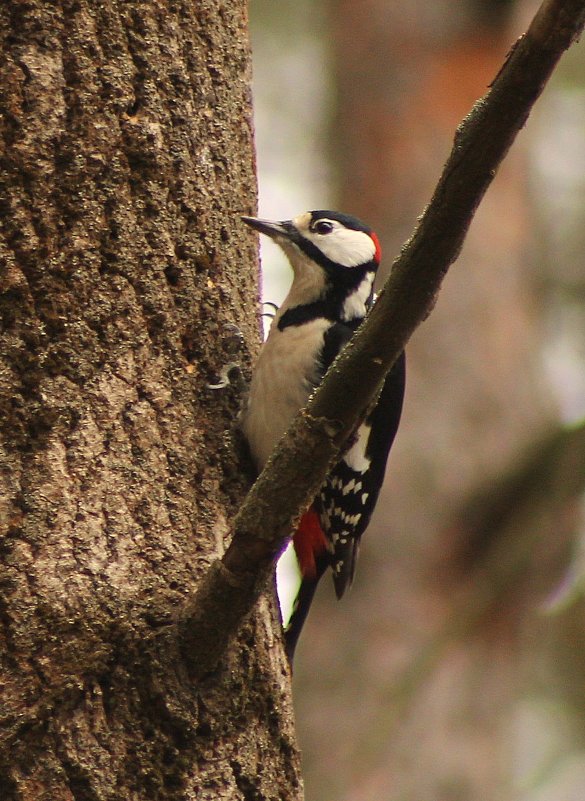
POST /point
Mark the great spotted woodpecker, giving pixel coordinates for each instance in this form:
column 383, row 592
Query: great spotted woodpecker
column 334, row 258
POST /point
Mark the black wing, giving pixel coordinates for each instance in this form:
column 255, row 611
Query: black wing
column 334, row 339
column 348, row 496
column 344, row 537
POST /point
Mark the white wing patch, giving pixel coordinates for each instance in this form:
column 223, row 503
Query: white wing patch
column 356, row 457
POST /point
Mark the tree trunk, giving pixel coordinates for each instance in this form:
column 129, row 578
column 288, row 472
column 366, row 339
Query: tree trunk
column 126, row 158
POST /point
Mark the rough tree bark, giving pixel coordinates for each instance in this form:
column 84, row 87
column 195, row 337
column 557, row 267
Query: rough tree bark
column 126, row 155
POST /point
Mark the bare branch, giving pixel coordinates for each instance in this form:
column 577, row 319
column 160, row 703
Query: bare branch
column 297, row 468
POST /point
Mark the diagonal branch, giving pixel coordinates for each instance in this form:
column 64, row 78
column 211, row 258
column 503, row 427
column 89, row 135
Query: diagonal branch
column 299, row 464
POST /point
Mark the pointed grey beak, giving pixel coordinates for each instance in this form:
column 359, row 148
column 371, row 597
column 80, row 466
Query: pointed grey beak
column 271, row 228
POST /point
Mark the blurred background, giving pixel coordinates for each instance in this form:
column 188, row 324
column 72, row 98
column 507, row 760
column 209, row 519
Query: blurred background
column 455, row 668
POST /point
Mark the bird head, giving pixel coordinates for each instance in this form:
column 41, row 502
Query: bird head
column 330, row 239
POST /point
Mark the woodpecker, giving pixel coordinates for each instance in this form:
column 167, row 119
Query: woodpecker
column 334, row 258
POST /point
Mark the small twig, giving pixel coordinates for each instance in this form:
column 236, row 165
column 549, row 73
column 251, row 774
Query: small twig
column 299, row 464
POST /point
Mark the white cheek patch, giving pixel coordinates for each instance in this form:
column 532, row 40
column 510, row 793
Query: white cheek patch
column 344, row 246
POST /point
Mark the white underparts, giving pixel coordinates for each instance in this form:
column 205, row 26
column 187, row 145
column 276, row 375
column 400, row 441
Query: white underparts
column 285, row 375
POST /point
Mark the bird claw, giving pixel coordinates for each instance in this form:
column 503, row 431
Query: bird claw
column 230, row 374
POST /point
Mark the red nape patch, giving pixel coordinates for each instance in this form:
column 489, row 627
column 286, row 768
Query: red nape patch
column 378, row 253
column 309, row 542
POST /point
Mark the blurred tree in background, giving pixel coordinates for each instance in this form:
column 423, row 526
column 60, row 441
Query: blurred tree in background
column 455, row 668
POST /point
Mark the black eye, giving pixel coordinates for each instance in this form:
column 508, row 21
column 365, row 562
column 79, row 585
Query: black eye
column 323, row 227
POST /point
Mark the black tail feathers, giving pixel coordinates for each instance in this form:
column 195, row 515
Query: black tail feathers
column 299, row 615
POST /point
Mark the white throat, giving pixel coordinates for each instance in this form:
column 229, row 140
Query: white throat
column 309, row 280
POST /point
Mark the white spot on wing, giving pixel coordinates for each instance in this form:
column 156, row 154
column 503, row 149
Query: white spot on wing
column 355, row 456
